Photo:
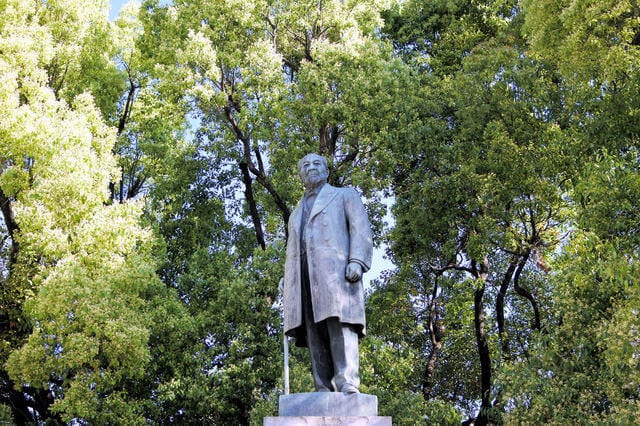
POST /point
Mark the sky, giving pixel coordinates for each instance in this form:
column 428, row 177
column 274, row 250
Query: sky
column 116, row 5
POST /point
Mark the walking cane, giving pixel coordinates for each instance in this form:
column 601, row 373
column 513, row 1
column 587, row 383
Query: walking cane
column 286, row 345
column 286, row 364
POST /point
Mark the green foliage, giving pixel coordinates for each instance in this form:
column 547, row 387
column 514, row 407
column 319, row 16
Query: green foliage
column 267, row 407
column 90, row 327
column 504, row 172
column 386, row 372
column 479, row 191
column 608, row 195
column 234, row 347
column 265, row 99
column 437, row 35
column 601, row 38
column 585, row 370
column 505, row 133
column 84, row 268
column 245, row 350
column 5, row 415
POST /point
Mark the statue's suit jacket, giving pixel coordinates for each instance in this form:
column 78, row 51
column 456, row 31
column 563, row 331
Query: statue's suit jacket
column 337, row 231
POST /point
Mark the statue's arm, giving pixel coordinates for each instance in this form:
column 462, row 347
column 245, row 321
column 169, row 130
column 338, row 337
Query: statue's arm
column 360, row 237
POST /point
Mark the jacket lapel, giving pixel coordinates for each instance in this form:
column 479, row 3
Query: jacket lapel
column 327, row 193
column 296, row 217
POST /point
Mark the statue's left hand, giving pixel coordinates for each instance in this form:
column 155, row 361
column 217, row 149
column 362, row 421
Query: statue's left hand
column 353, row 272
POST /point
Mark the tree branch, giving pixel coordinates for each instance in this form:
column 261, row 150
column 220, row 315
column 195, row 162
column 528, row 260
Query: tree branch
column 12, row 227
column 502, row 292
column 258, row 172
column 436, row 331
column 253, row 208
column 525, row 293
column 482, row 341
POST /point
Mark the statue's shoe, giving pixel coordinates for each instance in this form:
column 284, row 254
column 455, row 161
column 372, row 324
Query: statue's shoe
column 349, row 388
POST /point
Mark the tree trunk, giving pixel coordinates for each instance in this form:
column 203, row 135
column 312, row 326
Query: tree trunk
column 328, row 140
column 502, row 293
column 122, row 122
column 523, row 292
column 253, row 208
column 435, row 335
column 12, row 227
column 482, row 343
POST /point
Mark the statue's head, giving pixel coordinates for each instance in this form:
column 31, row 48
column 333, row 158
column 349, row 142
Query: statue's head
column 313, row 170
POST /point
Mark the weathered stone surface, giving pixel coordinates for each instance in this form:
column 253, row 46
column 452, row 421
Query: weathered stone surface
column 328, row 404
column 329, row 248
column 327, row 421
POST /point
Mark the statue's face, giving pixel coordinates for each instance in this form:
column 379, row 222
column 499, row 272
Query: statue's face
column 313, row 170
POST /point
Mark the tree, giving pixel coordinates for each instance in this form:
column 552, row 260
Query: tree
column 81, row 300
column 148, row 168
column 270, row 82
column 436, row 36
column 590, row 374
column 477, row 207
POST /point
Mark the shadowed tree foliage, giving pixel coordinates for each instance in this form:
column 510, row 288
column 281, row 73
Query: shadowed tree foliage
column 495, row 191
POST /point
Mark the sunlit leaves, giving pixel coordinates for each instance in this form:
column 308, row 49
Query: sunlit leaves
column 608, row 198
column 85, row 268
column 92, row 281
column 602, row 38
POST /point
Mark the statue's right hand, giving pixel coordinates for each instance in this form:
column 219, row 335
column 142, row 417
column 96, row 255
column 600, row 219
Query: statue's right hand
column 353, row 272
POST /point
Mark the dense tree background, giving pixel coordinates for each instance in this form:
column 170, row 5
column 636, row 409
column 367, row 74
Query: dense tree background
column 148, row 169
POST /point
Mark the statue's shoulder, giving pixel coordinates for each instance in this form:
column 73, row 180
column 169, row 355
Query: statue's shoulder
column 348, row 191
column 340, row 189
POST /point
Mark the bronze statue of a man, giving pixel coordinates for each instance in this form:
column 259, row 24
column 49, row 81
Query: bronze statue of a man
column 328, row 250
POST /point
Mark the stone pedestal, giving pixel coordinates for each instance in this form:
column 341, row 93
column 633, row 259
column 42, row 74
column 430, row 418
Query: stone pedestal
column 328, row 404
column 327, row 421
column 328, row 408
